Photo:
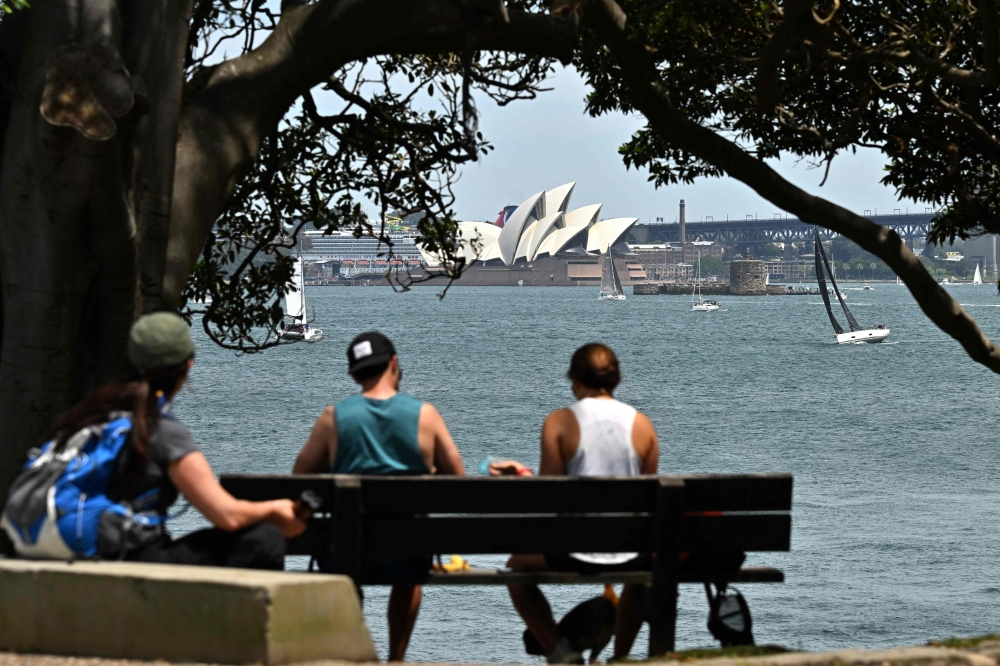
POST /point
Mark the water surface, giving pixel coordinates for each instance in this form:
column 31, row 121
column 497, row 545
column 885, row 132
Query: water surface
column 892, row 446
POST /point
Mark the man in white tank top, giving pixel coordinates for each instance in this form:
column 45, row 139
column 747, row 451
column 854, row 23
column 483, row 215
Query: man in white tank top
column 595, row 436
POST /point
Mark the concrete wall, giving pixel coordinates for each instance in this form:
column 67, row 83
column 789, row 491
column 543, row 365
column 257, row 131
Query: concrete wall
column 176, row 613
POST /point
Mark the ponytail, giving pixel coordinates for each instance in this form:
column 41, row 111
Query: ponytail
column 142, row 397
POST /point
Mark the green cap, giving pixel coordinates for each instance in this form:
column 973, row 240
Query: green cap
column 159, row 340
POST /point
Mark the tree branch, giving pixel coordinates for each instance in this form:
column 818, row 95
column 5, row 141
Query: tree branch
column 608, row 23
column 243, row 99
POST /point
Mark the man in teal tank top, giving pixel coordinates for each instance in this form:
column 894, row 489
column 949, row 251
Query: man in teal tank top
column 382, row 431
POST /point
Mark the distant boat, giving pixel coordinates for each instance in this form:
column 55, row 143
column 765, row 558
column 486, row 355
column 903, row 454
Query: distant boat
column 857, row 332
column 297, row 327
column 611, row 284
column 978, row 277
column 701, row 305
column 898, row 280
column 866, row 287
column 767, row 279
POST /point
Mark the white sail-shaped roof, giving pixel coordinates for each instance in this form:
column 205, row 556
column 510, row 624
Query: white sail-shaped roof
column 522, row 247
column 524, row 215
column 606, row 233
column 487, row 235
column 295, row 301
column 557, row 199
column 546, row 226
column 586, row 216
column 562, row 239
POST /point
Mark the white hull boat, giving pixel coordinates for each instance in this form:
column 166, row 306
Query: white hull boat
column 701, row 305
column 858, row 333
column 868, row 335
column 705, row 306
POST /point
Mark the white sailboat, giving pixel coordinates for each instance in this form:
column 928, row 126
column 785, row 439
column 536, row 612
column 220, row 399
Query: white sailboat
column 611, row 284
column 857, row 333
column 297, row 327
column 700, row 305
column 978, row 277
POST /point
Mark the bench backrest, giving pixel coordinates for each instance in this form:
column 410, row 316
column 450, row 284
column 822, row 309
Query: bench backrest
column 379, row 519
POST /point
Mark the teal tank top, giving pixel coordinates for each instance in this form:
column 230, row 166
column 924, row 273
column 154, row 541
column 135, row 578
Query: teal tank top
column 378, row 436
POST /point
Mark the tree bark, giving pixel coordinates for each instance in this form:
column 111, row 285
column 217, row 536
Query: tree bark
column 609, row 24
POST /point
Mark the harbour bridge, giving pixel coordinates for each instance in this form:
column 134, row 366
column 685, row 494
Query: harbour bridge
column 778, row 230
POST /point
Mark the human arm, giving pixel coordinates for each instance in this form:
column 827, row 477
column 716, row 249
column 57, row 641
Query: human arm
column 194, row 479
column 319, row 451
column 558, row 431
column 646, row 444
column 434, row 435
column 509, row 468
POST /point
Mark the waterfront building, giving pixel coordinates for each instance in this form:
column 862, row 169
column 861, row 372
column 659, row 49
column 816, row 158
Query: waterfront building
column 803, row 268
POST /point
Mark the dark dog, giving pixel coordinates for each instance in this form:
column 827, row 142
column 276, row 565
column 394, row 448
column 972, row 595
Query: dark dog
column 588, row 626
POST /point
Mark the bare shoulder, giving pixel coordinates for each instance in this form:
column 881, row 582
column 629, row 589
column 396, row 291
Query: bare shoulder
column 327, row 418
column 560, row 418
column 430, row 417
column 642, row 421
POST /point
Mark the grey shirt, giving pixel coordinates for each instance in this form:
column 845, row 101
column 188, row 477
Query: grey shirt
column 169, row 442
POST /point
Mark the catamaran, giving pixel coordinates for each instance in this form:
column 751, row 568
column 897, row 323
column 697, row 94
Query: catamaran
column 702, row 305
column 296, row 326
column 857, row 333
column 611, row 284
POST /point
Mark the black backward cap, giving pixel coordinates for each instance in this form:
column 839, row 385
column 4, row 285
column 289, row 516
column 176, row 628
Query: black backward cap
column 368, row 350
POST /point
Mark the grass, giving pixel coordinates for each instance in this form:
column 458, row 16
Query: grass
column 962, row 643
column 738, row 652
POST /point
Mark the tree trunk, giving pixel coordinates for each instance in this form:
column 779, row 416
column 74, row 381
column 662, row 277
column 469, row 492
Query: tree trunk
column 67, row 258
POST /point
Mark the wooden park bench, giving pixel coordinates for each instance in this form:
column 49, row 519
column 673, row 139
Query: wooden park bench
column 374, row 520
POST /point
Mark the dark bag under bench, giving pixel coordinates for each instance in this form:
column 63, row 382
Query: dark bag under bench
column 376, row 520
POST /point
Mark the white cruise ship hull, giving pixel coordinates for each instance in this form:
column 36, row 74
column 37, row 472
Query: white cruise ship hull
column 868, row 335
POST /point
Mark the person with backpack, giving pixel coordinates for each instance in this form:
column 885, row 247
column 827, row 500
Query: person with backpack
column 115, row 463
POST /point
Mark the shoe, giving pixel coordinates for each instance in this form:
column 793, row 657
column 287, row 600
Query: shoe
column 565, row 653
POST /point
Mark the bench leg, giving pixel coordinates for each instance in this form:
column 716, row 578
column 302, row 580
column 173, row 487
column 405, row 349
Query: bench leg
column 662, row 614
column 662, row 605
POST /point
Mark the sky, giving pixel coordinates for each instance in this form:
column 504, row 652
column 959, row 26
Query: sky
column 543, row 143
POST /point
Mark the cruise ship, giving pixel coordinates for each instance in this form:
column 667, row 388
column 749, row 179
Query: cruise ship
column 361, row 256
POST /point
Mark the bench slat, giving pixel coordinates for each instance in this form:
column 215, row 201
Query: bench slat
column 504, row 577
column 434, row 494
column 560, row 534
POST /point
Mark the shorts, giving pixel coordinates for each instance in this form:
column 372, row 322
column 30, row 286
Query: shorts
column 568, row 563
column 411, row 571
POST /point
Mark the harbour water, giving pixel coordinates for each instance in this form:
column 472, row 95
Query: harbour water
column 892, row 446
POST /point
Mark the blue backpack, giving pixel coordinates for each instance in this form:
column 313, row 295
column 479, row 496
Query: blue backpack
column 58, row 508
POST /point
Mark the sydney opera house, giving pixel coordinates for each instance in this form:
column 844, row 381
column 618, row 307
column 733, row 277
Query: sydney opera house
column 543, row 242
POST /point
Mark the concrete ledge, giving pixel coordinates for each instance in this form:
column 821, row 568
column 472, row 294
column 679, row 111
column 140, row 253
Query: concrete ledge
column 176, row 613
column 909, row 656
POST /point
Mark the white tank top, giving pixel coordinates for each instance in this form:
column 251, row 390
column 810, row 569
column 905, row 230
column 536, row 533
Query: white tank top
column 605, row 449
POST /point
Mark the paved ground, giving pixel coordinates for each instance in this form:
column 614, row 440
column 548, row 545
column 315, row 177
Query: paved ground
column 970, row 652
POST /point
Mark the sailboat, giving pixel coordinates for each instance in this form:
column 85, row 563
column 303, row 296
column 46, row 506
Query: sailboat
column 611, row 284
column 978, row 277
column 701, row 305
column 857, row 332
column 297, row 327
